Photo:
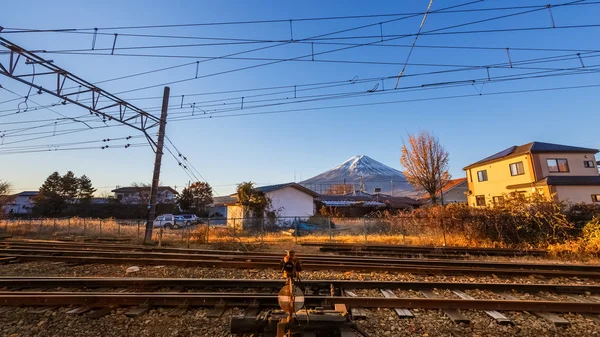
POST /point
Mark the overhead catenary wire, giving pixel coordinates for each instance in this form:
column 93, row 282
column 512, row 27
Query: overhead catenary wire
column 357, row 93
column 119, row 146
column 8, row 30
column 392, row 102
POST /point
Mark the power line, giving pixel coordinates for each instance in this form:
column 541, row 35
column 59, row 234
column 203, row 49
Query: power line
column 391, row 102
column 291, row 41
column 9, row 30
column 186, row 160
column 119, row 146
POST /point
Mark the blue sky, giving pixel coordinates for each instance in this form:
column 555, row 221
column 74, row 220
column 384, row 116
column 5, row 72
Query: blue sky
column 272, row 148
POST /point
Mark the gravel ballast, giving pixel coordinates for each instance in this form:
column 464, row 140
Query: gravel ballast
column 18, row 322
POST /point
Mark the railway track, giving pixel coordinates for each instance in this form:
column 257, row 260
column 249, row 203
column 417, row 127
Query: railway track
column 127, row 254
column 94, row 295
column 426, row 250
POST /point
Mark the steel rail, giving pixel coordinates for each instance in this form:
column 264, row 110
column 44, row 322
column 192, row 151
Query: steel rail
column 258, row 257
column 190, row 299
column 434, row 270
column 129, row 282
column 394, row 248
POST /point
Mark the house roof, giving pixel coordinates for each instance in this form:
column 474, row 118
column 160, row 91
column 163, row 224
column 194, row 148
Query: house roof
column 562, row 180
column 271, row 188
column 374, row 200
column 27, row 194
column 533, row 147
column 451, row 184
column 226, row 200
column 132, row 189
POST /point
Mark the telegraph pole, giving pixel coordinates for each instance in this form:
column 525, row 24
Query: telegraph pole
column 157, row 162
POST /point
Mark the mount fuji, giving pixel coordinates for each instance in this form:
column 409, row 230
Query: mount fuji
column 374, row 175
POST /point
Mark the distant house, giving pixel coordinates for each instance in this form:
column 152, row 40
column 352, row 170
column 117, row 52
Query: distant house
column 141, row 195
column 287, row 200
column 21, row 203
column 361, row 203
column 454, row 192
column 568, row 173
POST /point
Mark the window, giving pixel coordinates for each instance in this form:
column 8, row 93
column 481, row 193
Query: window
column 588, row 164
column 480, row 200
column 516, row 169
column 499, row 200
column 596, row 197
column 482, row 175
column 557, row 165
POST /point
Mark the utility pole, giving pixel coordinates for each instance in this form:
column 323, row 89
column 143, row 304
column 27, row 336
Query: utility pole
column 157, row 162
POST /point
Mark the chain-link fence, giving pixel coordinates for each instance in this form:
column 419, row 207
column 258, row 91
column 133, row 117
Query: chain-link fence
column 408, row 230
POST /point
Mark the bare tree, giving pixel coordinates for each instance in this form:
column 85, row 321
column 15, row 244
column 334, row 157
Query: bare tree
column 425, row 163
column 5, row 188
column 339, row 189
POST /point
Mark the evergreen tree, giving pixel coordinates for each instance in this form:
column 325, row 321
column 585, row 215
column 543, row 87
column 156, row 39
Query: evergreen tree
column 85, row 188
column 50, row 199
column 186, row 199
column 70, row 186
column 202, row 193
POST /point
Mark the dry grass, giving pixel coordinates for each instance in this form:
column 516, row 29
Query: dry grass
column 93, row 228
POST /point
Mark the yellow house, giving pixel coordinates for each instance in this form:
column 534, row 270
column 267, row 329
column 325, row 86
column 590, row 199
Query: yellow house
column 568, row 172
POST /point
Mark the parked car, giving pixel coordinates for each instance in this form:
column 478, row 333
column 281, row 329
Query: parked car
column 189, row 219
column 169, row 221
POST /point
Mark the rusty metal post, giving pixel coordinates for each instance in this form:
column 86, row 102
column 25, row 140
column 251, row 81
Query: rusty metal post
column 160, row 233
column 84, row 227
column 365, row 228
column 296, row 230
column 188, row 237
column 100, row 227
column 118, row 228
column 207, row 229
column 68, row 226
column 443, row 229
column 329, row 224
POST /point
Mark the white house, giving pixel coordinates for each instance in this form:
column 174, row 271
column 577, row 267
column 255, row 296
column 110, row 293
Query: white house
column 21, row 203
column 287, row 200
column 140, row 195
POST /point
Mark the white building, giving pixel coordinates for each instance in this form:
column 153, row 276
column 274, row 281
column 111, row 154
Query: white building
column 287, row 200
column 21, row 203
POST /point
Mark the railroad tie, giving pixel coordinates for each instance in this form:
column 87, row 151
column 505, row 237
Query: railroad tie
column 550, row 317
column 357, row 313
column 101, row 312
column 500, row 319
column 41, row 310
column 137, row 311
column 593, row 317
column 453, row 314
column 253, row 309
column 78, row 310
column 402, row 313
column 218, row 310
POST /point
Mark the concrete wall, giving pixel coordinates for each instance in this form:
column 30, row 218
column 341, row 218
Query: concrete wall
column 576, row 194
column 575, row 161
column 498, row 178
column 291, row 202
column 234, row 215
